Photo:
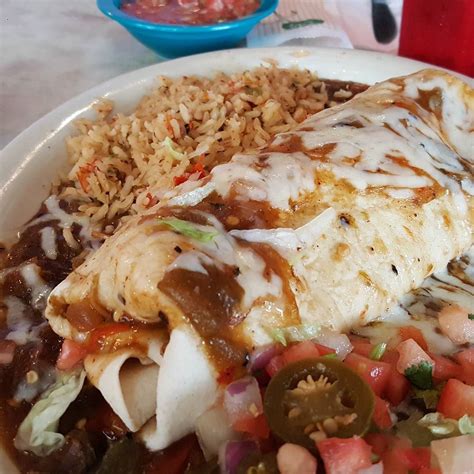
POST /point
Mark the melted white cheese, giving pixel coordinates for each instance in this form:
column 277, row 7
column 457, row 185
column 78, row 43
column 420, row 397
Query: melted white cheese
column 400, row 193
column 21, row 327
column 66, row 220
column 278, row 178
column 194, row 197
column 40, row 290
column 192, row 261
column 420, row 309
column 457, row 121
column 48, row 242
column 376, row 148
column 287, row 240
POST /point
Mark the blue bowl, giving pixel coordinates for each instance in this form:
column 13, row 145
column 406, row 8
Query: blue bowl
column 172, row 41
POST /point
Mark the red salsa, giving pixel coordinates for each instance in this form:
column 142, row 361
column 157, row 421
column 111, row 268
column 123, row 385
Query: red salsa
column 189, row 12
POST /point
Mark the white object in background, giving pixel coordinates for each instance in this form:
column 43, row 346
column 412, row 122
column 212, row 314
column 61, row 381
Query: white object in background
column 355, row 18
column 329, row 23
column 299, row 23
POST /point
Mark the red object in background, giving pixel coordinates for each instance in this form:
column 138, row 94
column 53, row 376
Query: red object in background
column 439, row 32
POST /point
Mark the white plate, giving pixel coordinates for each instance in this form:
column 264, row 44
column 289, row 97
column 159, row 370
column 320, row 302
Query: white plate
column 31, row 161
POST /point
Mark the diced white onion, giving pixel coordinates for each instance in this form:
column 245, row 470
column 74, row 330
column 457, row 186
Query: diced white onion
column 213, row 430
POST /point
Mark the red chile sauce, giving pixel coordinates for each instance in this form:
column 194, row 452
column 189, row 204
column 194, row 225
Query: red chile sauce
column 189, row 12
column 89, row 425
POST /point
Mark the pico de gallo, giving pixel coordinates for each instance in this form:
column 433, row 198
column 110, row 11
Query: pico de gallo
column 189, row 12
column 387, row 398
column 353, row 406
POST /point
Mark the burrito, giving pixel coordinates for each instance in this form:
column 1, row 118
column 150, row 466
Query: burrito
column 327, row 226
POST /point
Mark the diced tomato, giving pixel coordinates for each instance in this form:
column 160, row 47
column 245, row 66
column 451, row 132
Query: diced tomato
column 84, row 172
column 382, row 414
column 454, row 322
column 466, row 361
column 398, row 458
column 444, row 368
column 300, row 351
column 411, row 354
column 101, row 333
column 397, row 454
column 71, row 354
column 380, row 442
column 428, row 470
column 257, row 426
column 420, row 458
column 345, row 456
column 181, row 179
column 104, row 420
column 275, row 365
column 362, row 347
column 398, row 386
column 294, row 353
column 412, row 332
column 174, row 459
column 376, row 373
column 198, row 167
column 456, row 400
column 323, row 350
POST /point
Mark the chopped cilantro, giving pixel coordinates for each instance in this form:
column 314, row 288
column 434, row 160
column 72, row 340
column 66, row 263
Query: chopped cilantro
column 430, row 397
column 189, row 230
column 421, row 375
column 471, row 316
column 330, row 356
column 374, row 458
column 294, row 333
column 378, row 351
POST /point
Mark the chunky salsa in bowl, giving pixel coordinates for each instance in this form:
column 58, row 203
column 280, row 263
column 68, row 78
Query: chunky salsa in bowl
column 174, row 28
column 189, row 12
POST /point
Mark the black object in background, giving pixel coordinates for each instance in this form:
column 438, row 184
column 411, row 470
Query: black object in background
column 383, row 22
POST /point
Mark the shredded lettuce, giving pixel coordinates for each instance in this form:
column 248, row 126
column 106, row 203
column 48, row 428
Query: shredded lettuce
column 169, row 145
column 38, row 431
column 294, row 333
column 378, row 351
column 189, row 230
column 420, row 375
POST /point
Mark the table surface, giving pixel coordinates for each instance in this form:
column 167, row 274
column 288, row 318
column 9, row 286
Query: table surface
column 52, row 50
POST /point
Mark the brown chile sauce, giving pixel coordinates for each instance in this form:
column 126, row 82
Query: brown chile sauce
column 215, row 315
